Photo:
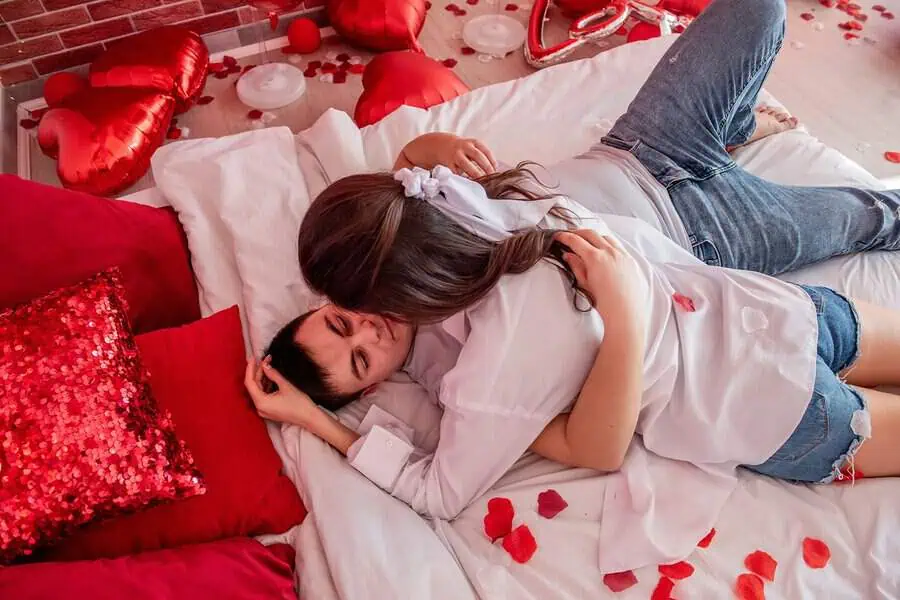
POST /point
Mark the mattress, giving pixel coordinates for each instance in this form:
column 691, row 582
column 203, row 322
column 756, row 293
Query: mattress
column 358, row 542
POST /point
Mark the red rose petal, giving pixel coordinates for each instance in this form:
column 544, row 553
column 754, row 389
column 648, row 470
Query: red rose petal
column 893, row 157
column 357, row 69
column 471, row 2
column 663, row 589
column 511, row 7
column 750, row 587
column 315, row 64
column 807, row 16
column 452, row 8
column 466, row 51
column 221, row 75
column 174, row 133
column 309, row 73
column 706, row 541
column 461, row 12
column 827, row 3
column 340, row 77
column 816, row 553
column 520, row 544
column 854, row 6
column 762, row 564
column 550, row 504
column 229, row 61
column 850, row 36
column 684, row 302
column 499, row 518
column 878, row 8
column 679, row 570
column 202, row 100
column 29, row 123
column 888, row 15
column 619, row 582
column 329, row 67
column 344, row 67
column 678, row 28
column 342, row 57
column 861, row 17
column 449, row 62
column 215, row 67
column 254, row 114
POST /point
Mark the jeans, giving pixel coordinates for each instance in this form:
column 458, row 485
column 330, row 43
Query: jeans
column 699, row 99
column 836, row 422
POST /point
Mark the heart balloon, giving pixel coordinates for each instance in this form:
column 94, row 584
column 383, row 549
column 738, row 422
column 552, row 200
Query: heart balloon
column 169, row 59
column 104, row 137
column 379, row 25
column 397, row 79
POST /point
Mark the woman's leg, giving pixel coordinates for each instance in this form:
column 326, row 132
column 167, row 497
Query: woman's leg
column 879, row 456
column 878, row 362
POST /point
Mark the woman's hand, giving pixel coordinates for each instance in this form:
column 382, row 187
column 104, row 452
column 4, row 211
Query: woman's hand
column 287, row 404
column 605, row 271
column 464, row 156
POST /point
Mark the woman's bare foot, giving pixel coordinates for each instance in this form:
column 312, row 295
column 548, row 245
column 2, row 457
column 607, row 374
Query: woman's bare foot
column 769, row 120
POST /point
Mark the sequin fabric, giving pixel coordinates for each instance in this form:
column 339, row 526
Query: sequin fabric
column 81, row 437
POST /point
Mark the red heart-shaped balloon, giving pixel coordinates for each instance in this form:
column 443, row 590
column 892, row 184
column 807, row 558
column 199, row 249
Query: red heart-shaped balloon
column 169, row 59
column 379, row 25
column 104, row 137
column 396, row 79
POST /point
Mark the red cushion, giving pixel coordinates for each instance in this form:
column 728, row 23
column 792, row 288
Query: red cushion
column 50, row 238
column 196, row 372
column 234, row 569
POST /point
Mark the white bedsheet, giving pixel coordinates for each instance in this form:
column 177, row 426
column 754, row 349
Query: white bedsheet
column 359, row 543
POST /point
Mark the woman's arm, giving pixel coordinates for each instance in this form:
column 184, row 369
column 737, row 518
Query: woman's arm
column 463, row 156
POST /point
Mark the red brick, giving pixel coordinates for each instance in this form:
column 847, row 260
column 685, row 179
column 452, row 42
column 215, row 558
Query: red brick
column 167, row 15
column 6, row 36
column 17, row 74
column 58, row 4
column 213, row 6
column 69, row 58
column 96, row 33
column 117, row 8
column 20, row 9
column 19, row 51
column 50, row 22
column 217, row 22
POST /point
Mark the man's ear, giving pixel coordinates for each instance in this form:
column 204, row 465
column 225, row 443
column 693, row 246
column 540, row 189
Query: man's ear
column 369, row 390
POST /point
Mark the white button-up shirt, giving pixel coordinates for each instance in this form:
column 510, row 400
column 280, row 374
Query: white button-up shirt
column 725, row 384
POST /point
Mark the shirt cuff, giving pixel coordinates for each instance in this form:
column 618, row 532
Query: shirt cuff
column 380, row 455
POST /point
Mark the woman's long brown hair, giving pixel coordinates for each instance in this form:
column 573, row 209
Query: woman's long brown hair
column 369, row 248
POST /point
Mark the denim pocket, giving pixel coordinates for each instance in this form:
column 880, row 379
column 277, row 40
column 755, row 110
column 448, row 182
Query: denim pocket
column 809, row 434
column 817, row 297
column 706, row 251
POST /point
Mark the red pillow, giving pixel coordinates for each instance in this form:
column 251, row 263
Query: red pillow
column 50, row 238
column 196, row 372
column 82, row 437
column 234, row 569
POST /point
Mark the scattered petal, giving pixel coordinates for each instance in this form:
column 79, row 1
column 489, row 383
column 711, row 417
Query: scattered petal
column 255, row 114
column 342, row 57
column 466, row 51
column 893, row 157
column 887, row 15
column 550, row 504
column 357, row 69
column 471, row 2
column 750, row 587
column 807, row 16
column 850, row 36
column 762, row 564
column 329, row 67
column 174, row 133
column 816, row 553
column 520, row 544
column 215, row 67
column 861, row 17
column 221, row 75
column 203, row 100
column 679, row 570
column 879, row 8
column 229, row 61
column 310, row 73
column 452, row 8
column 706, row 541
column 315, row 64
column 499, row 518
column 511, row 7
column 621, row 31
column 827, row 3
column 339, row 77
column 684, row 302
column 29, row 123
column 663, row 589
column 619, row 582
column 449, row 62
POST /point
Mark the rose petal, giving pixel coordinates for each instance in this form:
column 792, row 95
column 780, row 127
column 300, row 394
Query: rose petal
column 342, row 57
column 893, row 157
column 329, row 67
column 550, row 504
column 202, row 100
column 229, row 61
column 888, row 15
column 357, row 69
column 684, row 302
column 449, row 62
column 850, row 36
column 309, row 73
column 520, row 544
column 499, row 518
column 750, row 587
column 878, row 8
column 471, row 2
column 816, row 553
column 340, row 77
column 511, row 7
column 221, row 75
column 466, row 51
column 315, row 64
column 452, row 8
column 621, row 31
column 501, row 505
column 254, row 114
column 706, row 541
column 762, row 564
column 679, row 570
column 807, row 16
column 38, row 113
column 663, row 589
column 827, row 3
column 29, row 123
column 619, row 582
column 173, row 134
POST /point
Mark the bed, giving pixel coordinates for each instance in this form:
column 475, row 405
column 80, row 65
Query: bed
column 240, row 200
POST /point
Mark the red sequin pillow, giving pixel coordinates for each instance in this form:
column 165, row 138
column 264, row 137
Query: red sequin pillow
column 81, row 437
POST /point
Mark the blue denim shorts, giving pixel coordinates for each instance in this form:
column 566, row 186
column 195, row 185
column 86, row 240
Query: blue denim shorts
column 836, row 421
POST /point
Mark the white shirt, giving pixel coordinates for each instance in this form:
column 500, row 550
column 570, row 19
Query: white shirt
column 724, row 385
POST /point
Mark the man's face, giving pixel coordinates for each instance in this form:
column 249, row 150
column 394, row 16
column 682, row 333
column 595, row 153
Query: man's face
column 357, row 350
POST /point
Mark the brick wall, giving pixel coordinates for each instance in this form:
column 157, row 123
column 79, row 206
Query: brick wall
column 38, row 37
